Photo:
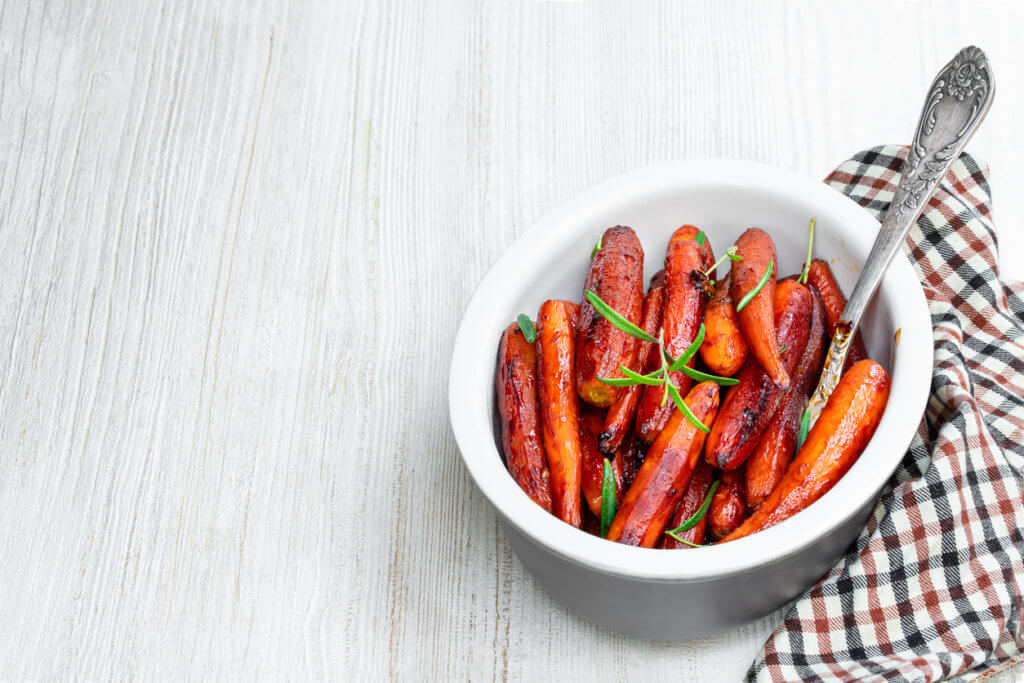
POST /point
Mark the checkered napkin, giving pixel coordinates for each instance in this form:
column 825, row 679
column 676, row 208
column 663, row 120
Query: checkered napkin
column 933, row 586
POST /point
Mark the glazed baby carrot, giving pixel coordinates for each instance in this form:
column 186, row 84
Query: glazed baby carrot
column 753, row 291
column 559, row 407
column 749, row 406
column 616, row 277
column 728, row 505
column 620, row 415
column 766, row 465
column 520, row 420
column 840, row 435
column 724, row 349
column 680, row 321
column 632, row 452
column 665, row 474
column 591, row 420
column 689, row 504
column 820, row 276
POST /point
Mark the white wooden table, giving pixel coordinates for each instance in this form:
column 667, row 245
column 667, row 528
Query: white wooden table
column 237, row 239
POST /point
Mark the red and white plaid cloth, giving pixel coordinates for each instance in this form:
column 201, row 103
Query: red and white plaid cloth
column 933, row 586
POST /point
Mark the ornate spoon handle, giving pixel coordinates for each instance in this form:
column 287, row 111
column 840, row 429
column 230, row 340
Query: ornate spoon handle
column 958, row 100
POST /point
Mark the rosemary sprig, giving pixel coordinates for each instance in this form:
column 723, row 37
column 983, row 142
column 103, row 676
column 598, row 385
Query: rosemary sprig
column 760, row 285
column 670, row 364
column 805, row 426
column 695, row 518
column 807, row 262
column 700, row 238
column 607, row 497
column 597, row 247
column 662, row 376
column 730, row 254
column 698, row 376
column 527, row 328
column 616, row 318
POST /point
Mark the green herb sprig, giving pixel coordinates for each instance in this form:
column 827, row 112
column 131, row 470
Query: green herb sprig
column 730, row 254
column 662, row 376
column 597, row 247
column 607, row 497
column 527, row 328
column 760, row 285
column 694, row 519
column 807, row 262
column 615, row 318
column 700, row 238
column 805, row 426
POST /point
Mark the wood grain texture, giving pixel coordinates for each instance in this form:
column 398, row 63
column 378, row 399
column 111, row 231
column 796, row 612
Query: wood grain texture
column 237, row 241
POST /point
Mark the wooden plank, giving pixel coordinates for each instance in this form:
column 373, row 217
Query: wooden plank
column 237, row 244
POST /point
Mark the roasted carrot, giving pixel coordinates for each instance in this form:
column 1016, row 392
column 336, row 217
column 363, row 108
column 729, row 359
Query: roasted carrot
column 689, row 504
column 620, row 415
column 520, row 419
column 748, row 407
column 757, row 251
column 820, row 276
column 686, row 233
column 724, row 349
column 665, row 474
column 842, row 432
column 591, row 420
column 632, row 452
column 559, row 407
column 769, row 460
column 728, row 505
column 680, row 321
column 616, row 276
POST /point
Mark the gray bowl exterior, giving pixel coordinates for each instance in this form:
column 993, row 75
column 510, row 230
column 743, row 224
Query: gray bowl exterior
column 674, row 610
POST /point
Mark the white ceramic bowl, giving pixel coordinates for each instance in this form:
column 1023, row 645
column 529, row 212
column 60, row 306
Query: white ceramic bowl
column 683, row 594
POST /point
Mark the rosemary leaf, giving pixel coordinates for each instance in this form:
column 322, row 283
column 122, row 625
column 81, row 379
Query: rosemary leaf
column 616, row 318
column 526, row 325
column 685, row 409
column 699, row 376
column 690, row 350
column 631, row 379
column 607, row 498
column 597, row 247
column 807, row 264
column 695, row 518
column 700, row 238
column 760, row 285
column 805, row 426
column 683, row 540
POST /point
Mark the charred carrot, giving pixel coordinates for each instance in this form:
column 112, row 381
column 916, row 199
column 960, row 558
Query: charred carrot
column 520, row 419
column 616, row 276
column 680, row 321
column 591, row 420
column 840, row 435
column 766, row 465
column 820, row 276
column 728, row 505
column 559, row 407
column 749, row 406
column 620, row 415
column 689, row 504
column 632, row 452
column 757, row 272
column 665, row 474
column 724, row 349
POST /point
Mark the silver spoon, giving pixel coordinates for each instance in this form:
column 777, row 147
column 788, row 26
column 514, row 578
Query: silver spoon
column 957, row 102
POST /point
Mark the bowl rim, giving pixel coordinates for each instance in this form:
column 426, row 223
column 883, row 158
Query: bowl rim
column 912, row 361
